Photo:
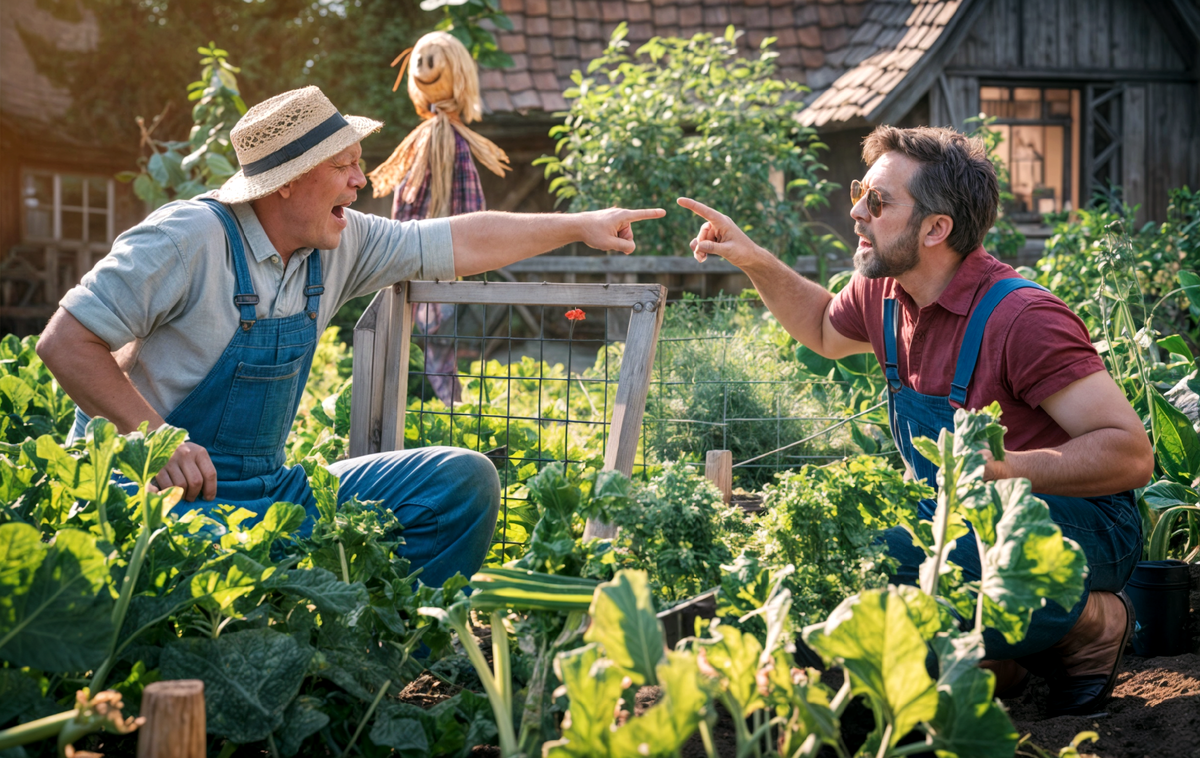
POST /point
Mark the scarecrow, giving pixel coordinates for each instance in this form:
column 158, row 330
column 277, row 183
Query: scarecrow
column 432, row 171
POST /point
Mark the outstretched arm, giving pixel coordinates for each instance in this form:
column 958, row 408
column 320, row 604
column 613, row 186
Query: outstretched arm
column 1108, row 451
column 489, row 240
column 801, row 306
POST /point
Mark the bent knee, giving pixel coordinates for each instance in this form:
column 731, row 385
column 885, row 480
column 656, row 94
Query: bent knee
column 476, row 472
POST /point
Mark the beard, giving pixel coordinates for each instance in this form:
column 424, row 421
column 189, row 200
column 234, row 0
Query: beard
column 900, row 257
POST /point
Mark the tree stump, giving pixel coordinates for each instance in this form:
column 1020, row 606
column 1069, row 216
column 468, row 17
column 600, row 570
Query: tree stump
column 175, row 721
column 718, row 469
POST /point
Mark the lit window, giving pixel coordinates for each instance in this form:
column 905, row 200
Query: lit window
column 67, row 208
column 1040, row 129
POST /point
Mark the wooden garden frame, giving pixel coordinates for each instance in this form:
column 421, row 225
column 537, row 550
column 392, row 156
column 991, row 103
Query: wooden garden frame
column 384, row 332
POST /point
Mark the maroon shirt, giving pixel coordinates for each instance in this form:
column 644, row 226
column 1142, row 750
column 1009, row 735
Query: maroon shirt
column 1033, row 345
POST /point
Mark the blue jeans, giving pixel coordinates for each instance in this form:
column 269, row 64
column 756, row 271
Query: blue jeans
column 1108, row 528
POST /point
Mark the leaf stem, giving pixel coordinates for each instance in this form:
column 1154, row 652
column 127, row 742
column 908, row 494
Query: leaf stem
column 345, row 565
column 366, row 717
column 42, row 729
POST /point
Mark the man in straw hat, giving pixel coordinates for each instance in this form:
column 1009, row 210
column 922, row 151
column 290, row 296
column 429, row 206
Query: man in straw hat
column 206, row 315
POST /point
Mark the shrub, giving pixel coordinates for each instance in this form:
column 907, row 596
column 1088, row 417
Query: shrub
column 694, row 119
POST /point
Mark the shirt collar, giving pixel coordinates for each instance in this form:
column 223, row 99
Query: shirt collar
column 960, row 293
column 256, row 237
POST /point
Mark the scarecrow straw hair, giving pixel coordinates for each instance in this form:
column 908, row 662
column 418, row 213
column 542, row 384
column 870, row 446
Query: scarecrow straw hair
column 430, row 147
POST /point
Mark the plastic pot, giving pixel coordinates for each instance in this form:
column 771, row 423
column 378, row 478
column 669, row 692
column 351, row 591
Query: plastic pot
column 1159, row 591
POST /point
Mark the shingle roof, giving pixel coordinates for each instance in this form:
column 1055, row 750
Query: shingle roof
column 851, row 53
column 882, row 52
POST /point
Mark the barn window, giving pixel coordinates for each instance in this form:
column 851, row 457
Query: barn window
column 67, row 208
column 1040, row 127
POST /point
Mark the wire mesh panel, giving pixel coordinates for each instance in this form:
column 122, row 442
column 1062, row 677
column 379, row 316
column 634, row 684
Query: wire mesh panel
column 499, row 368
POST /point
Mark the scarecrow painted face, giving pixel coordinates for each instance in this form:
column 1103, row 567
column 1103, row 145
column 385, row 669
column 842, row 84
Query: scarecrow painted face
column 431, row 68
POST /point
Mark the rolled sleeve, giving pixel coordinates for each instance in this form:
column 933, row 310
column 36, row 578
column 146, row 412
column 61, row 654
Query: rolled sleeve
column 132, row 289
column 388, row 251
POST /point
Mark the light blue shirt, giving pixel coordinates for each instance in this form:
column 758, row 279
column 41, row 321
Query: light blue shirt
column 163, row 298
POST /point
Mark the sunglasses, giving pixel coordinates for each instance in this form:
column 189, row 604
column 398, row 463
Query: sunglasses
column 875, row 201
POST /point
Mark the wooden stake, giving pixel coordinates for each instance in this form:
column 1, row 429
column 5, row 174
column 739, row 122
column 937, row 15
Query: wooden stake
column 718, row 469
column 175, row 721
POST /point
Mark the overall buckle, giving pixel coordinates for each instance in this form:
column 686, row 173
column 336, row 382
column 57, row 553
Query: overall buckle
column 240, row 300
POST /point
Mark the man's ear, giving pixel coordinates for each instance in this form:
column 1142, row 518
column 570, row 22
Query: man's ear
column 940, row 226
column 285, row 191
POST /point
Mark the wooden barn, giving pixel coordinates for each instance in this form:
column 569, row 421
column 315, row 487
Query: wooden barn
column 1090, row 95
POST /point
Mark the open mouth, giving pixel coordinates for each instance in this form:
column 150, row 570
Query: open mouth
column 339, row 211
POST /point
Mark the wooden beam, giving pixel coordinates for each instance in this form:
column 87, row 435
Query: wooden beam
column 395, row 380
column 543, row 293
column 362, row 373
column 1037, row 75
column 649, row 265
column 625, row 428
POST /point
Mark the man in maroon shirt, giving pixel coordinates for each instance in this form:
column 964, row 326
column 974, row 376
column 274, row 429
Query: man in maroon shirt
column 921, row 274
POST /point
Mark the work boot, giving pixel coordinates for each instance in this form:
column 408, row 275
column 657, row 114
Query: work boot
column 1090, row 656
column 1011, row 677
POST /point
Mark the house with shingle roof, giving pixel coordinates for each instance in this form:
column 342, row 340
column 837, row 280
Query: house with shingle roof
column 1088, row 94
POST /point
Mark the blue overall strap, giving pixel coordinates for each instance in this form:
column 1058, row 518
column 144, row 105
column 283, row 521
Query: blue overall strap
column 968, row 352
column 244, row 297
column 315, row 289
column 889, row 344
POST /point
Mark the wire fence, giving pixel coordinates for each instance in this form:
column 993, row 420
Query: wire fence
column 525, row 386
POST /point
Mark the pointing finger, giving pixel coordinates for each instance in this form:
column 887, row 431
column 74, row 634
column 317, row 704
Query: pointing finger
column 642, row 214
column 702, row 210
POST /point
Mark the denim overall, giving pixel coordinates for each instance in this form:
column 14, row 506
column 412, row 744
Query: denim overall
column 1107, row 527
column 242, row 411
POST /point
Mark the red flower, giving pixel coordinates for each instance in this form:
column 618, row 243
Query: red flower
column 575, row 315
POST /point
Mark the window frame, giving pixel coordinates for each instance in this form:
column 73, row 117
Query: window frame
column 1073, row 180
column 57, row 208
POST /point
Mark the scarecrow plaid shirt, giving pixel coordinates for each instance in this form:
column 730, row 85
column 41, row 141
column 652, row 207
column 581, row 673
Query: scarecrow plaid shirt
column 466, row 193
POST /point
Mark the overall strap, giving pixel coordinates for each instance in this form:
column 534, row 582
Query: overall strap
column 315, row 289
column 889, row 344
column 244, row 299
column 968, row 353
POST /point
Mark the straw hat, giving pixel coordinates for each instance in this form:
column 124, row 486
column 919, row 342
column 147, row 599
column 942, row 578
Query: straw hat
column 284, row 137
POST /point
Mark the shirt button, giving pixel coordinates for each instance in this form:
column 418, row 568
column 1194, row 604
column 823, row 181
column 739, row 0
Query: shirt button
column 275, row 259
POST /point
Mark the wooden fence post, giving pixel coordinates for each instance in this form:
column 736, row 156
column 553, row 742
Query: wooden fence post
column 175, row 720
column 718, row 469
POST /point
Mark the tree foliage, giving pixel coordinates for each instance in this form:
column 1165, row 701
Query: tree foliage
column 144, row 58
column 690, row 117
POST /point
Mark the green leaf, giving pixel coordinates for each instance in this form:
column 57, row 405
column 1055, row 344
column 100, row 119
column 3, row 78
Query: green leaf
column 302, row 719
column 663, row 729
column 1190, row 283
column 145, row 452
column 594, row 685
column 219, row 165
column 18, row 694
column 873, row 637
column 19, row 394
column 323, row 588
column 624, row 622
column 1177, row 447
column 54, row 605
column 250, row 677
column 968, row 723
column 735, row 656
column 1175, row 344
column 1165, row 494
column 1031, row 562
column 103, row 445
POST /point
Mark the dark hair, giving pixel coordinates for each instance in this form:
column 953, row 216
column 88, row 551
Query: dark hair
column 955, row 178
